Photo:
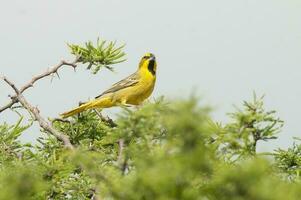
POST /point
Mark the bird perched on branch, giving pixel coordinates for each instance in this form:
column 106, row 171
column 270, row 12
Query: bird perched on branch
column 132, row 90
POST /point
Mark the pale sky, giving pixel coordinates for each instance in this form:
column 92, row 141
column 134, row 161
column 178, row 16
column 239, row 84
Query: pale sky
column 223, row 49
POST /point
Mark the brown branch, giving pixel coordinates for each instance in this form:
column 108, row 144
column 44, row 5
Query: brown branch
column 105, row 119
column 120, row 151
column 8, row 105
column 60, row 120
column 36, row 114
column 53, row 70
column 94, row 194
column 50, row 71
column 122, row 159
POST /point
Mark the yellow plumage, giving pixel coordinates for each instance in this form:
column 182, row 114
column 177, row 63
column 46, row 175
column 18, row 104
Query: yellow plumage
column 132, row 90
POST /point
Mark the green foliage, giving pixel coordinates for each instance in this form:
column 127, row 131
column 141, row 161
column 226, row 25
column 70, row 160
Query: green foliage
column 22, row 181
column 238, row 139
column 102, row 54
column 10, row 147
column 252, row 179
column 289, row 161
column 152, row 146
column 84, row 129
column 163, row 150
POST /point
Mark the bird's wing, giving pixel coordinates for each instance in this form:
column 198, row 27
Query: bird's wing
column 127, row 82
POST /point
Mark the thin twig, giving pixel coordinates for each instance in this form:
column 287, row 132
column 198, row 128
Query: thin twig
column 36, row 113
column 52, row 70
column 8, row 105
column 105, row 119
column 94, row 194
column 60, row 120
column 48, row 72
column 120, row 150
column 122, row 159
column 124, row 166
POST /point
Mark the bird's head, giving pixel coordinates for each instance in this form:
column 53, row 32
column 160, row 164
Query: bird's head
column 148, row 61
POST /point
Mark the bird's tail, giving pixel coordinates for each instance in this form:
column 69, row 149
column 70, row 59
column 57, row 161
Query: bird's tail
column 97, row 103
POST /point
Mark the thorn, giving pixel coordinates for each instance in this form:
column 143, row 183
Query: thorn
column 36, row 109
column 58, row 75
column 63, row 62
column 52, row 77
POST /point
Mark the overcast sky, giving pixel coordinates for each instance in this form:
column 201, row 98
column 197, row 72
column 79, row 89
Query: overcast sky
column 223, row 49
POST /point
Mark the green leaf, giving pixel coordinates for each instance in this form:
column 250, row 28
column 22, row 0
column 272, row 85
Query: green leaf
column 102, row 54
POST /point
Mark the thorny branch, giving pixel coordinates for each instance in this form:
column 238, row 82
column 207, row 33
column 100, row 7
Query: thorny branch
column 36, row 113
column 18, row 97
column 50, row 71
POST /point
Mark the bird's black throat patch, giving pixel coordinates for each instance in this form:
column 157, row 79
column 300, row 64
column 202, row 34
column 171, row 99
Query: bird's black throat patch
column 151, row 67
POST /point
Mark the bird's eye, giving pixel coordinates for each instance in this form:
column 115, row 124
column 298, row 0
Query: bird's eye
column 146, row 57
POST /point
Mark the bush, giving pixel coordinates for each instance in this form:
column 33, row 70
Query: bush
column 164, row 150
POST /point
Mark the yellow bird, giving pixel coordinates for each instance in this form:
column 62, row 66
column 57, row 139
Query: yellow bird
column 132, row 90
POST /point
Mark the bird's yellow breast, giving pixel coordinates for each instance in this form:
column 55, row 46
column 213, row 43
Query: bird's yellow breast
column 136, row 94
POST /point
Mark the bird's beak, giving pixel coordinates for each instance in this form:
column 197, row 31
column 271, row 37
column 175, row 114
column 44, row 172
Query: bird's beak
column 153, row 58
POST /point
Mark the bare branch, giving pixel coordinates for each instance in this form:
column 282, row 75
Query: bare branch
column 48, row 72
column 120, row 151
column 8, row 105
column 53, row 70
column 105, row 119
column 122, row 158
column 60, row 120
column 36, row 113
column 11, row 85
